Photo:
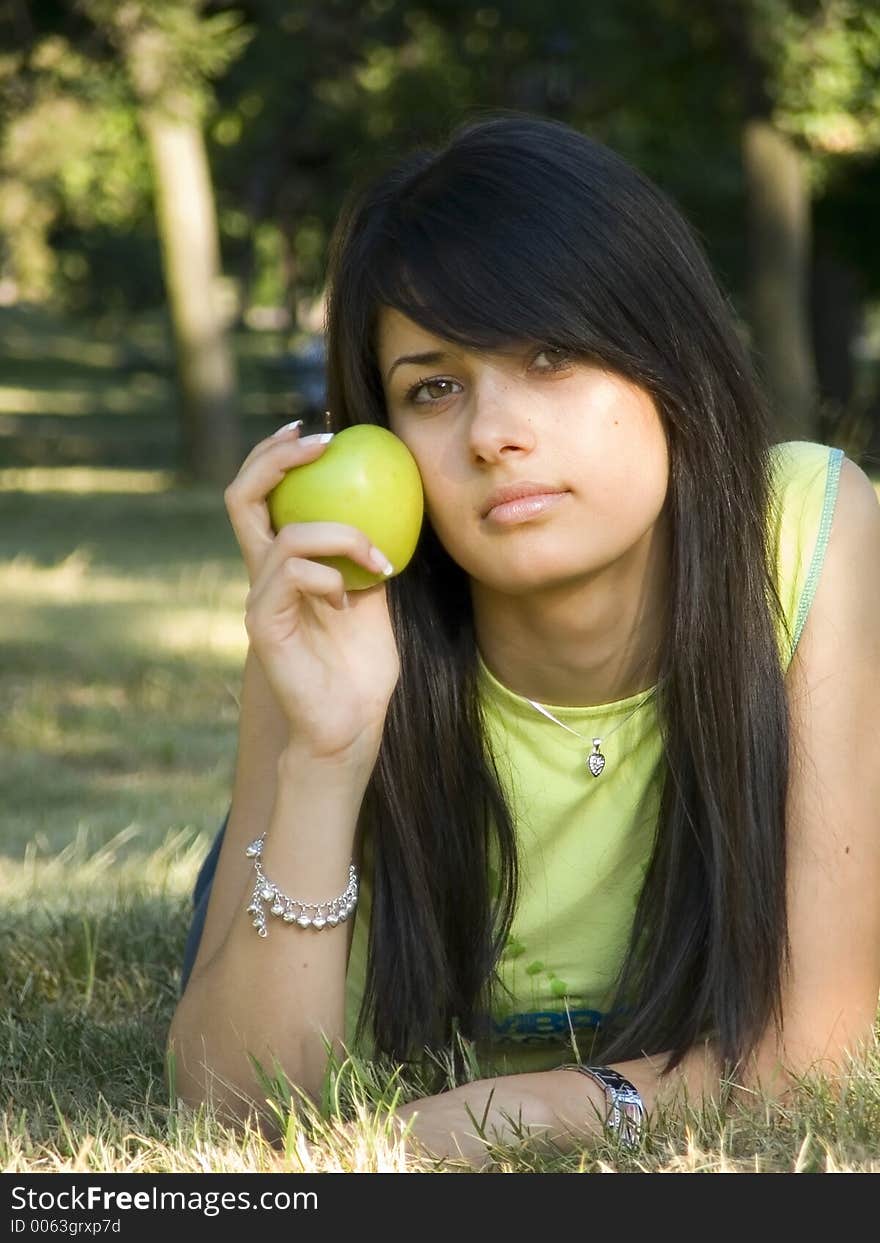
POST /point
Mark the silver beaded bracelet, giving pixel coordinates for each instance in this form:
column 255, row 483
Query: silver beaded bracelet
column 292, row 910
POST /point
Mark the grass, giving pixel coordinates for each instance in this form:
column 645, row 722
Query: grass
column 123, row 645
column 103, row 393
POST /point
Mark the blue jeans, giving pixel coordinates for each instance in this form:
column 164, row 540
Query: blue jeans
column 201, row 893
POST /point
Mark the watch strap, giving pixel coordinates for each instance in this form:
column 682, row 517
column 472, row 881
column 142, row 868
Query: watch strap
column 626, row 1109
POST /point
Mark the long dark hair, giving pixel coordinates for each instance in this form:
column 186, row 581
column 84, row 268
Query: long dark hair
column 522, row 228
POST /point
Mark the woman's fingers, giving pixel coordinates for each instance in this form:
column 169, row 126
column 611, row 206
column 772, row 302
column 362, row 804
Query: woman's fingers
column 293, row 579
column 263, row 468
column 268, row 462
column 319, row 539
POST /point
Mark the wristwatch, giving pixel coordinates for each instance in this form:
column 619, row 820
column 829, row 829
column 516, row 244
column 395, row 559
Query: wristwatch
column 626, row 1109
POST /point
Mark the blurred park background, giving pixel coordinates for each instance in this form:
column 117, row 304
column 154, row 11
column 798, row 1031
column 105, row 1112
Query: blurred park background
column 170, row 173
column 169, row 176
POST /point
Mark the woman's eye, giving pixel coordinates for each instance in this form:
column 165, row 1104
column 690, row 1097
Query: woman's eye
column 557, row 355
column 411, row 394
column 559, row 358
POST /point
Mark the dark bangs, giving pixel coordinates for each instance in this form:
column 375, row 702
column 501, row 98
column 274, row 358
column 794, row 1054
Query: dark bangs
column 490, row 248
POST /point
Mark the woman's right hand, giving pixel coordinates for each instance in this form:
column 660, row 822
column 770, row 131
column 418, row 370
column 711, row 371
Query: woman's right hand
column 332, row 666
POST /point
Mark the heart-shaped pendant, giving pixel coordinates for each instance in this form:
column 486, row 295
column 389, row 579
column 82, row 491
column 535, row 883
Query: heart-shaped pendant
column 596, row 761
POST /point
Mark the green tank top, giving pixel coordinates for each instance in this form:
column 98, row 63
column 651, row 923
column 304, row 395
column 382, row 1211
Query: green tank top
column 585, row 842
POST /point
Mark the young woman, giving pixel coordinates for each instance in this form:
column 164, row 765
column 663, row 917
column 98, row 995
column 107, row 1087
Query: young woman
column 601, row 767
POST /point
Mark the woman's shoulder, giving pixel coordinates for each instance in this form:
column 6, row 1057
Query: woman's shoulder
column 802, row 459
column 805, row 486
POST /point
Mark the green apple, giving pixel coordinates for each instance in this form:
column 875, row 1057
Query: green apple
column 365, row 477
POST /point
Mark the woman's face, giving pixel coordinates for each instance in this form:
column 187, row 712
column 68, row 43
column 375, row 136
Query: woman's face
column 475, row 422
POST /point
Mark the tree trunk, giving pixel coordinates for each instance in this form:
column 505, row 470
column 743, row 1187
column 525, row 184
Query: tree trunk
column 191, row 262
column 778, row 206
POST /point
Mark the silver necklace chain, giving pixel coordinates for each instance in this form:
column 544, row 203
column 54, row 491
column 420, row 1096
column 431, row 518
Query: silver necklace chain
column 595, row 760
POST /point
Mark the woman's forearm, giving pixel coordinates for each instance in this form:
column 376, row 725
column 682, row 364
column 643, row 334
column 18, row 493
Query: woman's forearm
column 561, row 1109
column 555, row 1108
column 274, row 997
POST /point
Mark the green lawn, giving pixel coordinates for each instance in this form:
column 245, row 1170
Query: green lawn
column 104, row 394
column 122, row 648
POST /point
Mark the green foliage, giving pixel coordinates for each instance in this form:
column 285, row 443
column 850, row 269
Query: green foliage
column 826, row 67
column 301, row 100
column 73, row 160
column 71, row 157
column 169, row 46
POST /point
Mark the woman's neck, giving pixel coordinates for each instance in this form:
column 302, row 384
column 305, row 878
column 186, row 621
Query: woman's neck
column 583, row 643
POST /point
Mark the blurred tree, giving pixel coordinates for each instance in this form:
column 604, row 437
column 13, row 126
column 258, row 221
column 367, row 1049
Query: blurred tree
column 809, row 80
column 325, row 91
column 169, row 49
column 72, row 160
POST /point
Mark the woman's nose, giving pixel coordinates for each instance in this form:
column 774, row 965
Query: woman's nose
column 500, row 417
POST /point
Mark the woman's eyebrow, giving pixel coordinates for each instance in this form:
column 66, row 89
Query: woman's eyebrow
column 431, row 356
column 437, row 356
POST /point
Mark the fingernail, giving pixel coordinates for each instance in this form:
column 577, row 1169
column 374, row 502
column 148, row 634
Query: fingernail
column 288, row 427
column 320, row 438
column 381, row 562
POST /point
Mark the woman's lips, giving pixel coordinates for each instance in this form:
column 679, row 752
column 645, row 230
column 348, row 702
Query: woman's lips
column 524, row 508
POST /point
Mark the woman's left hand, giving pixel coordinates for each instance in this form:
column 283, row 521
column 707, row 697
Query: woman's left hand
column 510, row 1110
column 441, row 1129
column 436, row 1134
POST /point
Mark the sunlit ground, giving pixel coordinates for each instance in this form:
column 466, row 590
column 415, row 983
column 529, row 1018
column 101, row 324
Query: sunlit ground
column 123, row 640
column 80, row 385
column 84, row 480
column 122, row 644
